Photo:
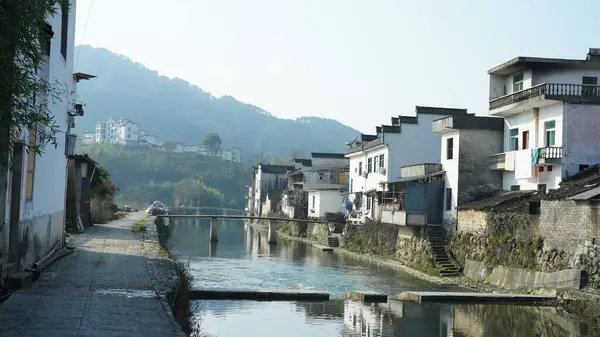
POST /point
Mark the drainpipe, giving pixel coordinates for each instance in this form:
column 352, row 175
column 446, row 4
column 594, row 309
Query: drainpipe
column 536, row 127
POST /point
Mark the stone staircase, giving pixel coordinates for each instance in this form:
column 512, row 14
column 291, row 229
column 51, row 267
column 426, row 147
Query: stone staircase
column 436, row 236
column 333, row 241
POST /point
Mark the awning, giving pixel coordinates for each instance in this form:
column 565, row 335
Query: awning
column 407, row 179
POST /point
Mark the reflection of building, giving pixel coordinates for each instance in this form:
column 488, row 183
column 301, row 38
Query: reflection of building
column 367, row 320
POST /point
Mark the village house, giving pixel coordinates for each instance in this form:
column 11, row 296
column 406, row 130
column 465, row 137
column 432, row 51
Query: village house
column 35, row 197
column 326, row 183
column 117, row 131
column 551, row 109
column 293, row 200
column 233, row 154
column 466, row 144
column 267, row 177
column 377, row 159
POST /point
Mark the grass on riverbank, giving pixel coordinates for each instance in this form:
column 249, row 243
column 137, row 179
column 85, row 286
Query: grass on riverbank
column 140, row 226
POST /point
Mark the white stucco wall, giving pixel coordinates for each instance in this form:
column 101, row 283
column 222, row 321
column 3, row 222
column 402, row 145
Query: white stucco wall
column 331, row 201
column 451, row 168
column 571, row 76
column 524, row 121
column 41, row 219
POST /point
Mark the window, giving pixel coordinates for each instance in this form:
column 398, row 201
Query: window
column 313, row 202
column 31, row 163
column 550, row 133
column 381, row 162
column 449, row 148
column 370, row 165
column 517, row 82
column 549, row 169
column 541, row 188
column 376, row 164
column 515, row 188
column 525, row 140
column 590, row 86
column 46, row 38
column 541, row 169
column 64, row 28
column 514, row 139
column 448, row 199
column 360, row 168
column 351, row 183
column 369, row 200
column 583, row 167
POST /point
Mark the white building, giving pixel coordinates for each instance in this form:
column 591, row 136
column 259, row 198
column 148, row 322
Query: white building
column 552, row 118
column 150, row 140
column 378, row 158
column 326, row 182
column 466, row 144
column 267, row 177
column 88, row 138
column 232, row 154
column 35, row 198
column 117, row 131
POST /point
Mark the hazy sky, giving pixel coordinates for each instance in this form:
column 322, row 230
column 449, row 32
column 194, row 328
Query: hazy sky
column 357, row 61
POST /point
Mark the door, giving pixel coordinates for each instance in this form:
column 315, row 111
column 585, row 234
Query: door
column 525, row 140
column 15, row 206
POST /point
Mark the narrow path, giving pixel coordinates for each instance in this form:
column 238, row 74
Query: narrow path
column 107, row 287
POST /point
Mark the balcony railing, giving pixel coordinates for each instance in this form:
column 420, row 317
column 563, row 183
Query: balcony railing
column 551, row 153
column 557, row 91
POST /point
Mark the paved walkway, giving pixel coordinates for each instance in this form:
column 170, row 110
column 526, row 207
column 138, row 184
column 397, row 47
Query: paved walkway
column 107, row 287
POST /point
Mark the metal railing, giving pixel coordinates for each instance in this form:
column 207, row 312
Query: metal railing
column 553, row 90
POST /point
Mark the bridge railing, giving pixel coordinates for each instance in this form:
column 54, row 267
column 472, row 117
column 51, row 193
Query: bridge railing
column 241, row 217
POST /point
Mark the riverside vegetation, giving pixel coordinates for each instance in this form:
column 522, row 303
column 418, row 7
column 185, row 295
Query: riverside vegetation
column 144, row 175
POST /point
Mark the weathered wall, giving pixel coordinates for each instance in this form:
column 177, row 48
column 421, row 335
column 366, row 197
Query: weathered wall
column 471, row 221
column 521, row 225
column 401, row 243
column 580, row 125
column 567, row 224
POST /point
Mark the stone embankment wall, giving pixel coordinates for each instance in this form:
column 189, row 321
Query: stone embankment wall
column 311, row 231
column 405, row 244
column 562, row 236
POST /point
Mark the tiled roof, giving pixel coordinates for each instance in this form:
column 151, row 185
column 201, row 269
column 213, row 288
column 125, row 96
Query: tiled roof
column 503, row 201
column 82, row 157
column 276, row 169
column 303, row 162
column 327, row 155
column 366, row 146
column 390, row 128
column 581, row 182
column 440, row 111
column 408, row 120
column 367, row 138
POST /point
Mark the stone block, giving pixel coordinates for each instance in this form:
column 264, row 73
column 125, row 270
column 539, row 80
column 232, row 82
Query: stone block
column 20, row 280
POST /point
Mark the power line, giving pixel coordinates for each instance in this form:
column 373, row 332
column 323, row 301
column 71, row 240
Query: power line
column 87, row 19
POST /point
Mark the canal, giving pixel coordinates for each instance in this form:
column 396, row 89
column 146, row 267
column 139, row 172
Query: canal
column 243, row 259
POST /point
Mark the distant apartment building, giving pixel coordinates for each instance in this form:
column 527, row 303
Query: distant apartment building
column 551, row 109
column 148, row 139
column 117, row 131
column 233, row 154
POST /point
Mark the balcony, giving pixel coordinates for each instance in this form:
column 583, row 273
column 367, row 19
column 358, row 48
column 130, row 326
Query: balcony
column 546, row 156
column 535, row 96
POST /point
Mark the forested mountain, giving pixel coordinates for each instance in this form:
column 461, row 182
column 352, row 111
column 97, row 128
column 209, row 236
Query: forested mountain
column 175, row 110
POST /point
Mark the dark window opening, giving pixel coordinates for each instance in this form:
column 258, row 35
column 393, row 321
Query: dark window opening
column 370, row 165
column 549, row 168
column 515, row 188
column 525, row 140
column 449, row 148
column 64, row 28
column 46, row 38
column 583, row 167
column 360, row 168
column 448, row 199
column 514, row 140
column 541, row 188
column 534, row 207
column 541, row 169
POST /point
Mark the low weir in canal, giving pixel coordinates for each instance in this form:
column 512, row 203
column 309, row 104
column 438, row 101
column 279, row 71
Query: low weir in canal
column 244, row 260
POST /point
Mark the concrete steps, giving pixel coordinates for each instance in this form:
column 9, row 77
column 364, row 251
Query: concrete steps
column 333, row 241
column 436, row 236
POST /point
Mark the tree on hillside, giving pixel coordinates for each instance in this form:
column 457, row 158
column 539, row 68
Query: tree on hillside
column 212, row 142
column 170, row 146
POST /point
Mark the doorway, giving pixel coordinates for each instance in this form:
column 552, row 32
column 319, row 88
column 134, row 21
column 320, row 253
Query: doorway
column 15, row 207
column 525, row 140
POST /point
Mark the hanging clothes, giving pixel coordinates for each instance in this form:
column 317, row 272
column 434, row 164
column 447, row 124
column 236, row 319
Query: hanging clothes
column 535, row 156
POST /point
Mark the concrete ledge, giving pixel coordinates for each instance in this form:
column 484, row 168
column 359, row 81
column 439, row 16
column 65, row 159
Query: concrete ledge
column 260, row 295
column 323, row 248
column 467, row 297
column 366, row 296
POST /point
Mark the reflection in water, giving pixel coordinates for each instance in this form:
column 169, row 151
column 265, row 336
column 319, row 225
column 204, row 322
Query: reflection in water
column 243, row 259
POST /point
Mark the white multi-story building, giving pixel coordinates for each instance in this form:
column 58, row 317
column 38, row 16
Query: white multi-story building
column 379, row 157
column 266, row 178
column 326, row 182
column 117, row 131
column 88, row 138
column 551, row 109
column 34, row 201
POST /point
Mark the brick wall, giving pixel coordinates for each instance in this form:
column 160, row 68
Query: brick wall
column 567, row 224
column 472, row 221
